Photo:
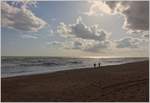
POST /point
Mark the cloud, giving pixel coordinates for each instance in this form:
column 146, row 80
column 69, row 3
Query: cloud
column 61, row 44
column 81, row 30
column 29, row 37
column 82, row 44
column 77, row 45
column 83, row 37
column 88, row 45
column 20, row 18
column 97, row 8
column 140, row 35
column 136, row 13
column 63, row 29
column 99, row 47
column 128, row 42
column 23, row 3
column 54, row 43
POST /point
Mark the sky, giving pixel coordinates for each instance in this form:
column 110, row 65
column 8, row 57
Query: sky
column 75, row 28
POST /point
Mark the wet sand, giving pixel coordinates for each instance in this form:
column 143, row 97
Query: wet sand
column 126, row 82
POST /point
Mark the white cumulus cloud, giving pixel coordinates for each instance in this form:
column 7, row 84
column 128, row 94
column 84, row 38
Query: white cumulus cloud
column 20, row 18
column 81, row 30
column 128, row 42
column 89, row 45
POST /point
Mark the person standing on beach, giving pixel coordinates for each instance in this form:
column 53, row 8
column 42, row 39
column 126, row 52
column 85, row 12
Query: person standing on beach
column 99, row 64
column 94, row 65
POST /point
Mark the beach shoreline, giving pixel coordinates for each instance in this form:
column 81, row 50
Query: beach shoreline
column 24, row 66
column 124, row 82
column 49, row 72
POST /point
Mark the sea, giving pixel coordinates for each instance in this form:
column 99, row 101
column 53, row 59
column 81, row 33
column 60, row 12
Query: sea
column 12, row 66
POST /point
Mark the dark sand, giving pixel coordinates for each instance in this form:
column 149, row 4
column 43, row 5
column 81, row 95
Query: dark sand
column 127, row 82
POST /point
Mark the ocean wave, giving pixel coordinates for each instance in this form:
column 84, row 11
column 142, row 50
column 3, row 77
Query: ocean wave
column 11, row 62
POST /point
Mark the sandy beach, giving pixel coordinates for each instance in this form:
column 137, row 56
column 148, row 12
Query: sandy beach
column 126, row 82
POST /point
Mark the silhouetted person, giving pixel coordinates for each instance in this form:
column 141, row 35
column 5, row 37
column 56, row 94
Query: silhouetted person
column 94, row 65
column 99, row 64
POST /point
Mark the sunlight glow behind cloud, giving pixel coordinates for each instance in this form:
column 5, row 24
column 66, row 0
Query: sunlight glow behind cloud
column 131, row 10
